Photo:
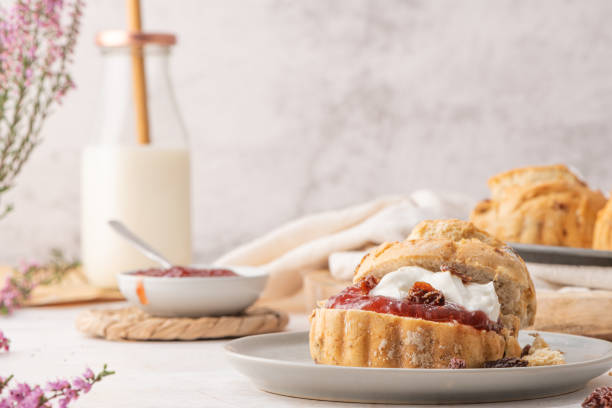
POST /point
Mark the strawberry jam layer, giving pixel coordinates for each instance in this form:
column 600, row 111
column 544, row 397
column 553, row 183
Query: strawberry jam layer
column 186, row 272
column 358, row 297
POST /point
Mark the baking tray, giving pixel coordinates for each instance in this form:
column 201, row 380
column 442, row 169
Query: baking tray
column 562, row 255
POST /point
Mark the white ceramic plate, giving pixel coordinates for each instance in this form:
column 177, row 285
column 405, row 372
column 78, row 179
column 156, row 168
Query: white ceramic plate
column 280, row 363
column 193, row 296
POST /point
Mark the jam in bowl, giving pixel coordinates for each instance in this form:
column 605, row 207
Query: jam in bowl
column 187, row 272
column 193, row 291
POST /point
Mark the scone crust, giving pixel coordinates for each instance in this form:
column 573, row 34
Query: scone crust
column 602, row 236
column 455, row 230
column 546, row 205
column 532, row 175
column 361, row 338
column 436, row 243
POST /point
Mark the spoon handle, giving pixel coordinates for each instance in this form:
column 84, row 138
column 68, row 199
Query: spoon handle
column 139, row 243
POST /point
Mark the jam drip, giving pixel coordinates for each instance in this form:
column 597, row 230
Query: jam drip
column 186, row 272
column 428, row 305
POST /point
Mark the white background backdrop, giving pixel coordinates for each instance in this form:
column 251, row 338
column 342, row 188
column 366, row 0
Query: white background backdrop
column 298, row 106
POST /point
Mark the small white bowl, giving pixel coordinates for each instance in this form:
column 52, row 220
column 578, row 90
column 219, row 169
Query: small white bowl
column 195, row 296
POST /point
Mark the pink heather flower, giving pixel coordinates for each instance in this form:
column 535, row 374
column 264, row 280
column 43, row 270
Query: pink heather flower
column 88, row 374
column 20, row 392
column 24, row 265
column 33, row 398
column 3, row 383
column 81, row 384
column 37, row 42
column 4, row 345
column 63, row 403
column 57, row 385
column 18, row 287
column 10, row 296
column 59, row 393
column 71, row 393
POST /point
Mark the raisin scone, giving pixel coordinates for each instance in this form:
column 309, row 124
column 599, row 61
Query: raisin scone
column 602, row 237
column 448, row 292
column 547, row 205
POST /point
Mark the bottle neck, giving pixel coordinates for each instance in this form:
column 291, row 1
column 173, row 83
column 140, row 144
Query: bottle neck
column 117, row 115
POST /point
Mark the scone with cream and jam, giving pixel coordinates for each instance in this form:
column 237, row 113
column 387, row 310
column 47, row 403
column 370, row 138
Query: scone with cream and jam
column 448, row 292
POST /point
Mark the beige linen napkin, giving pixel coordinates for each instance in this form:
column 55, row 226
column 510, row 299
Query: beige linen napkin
column 342, row 265
column 306, row 244
column 579, row 276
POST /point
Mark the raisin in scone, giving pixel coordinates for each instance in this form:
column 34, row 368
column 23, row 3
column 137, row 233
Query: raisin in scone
column 449, row 291
column 547, row 205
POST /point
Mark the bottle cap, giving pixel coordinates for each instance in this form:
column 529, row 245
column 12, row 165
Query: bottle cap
column 124, row 38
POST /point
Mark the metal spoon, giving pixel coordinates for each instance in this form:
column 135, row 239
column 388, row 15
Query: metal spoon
column 139, row 244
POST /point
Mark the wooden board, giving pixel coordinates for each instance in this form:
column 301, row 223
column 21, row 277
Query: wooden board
column 586, row 313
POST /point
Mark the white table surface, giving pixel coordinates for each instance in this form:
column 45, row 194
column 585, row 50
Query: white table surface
column 45, row 345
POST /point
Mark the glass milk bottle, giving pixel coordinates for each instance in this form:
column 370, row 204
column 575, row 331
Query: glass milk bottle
column 145, row 186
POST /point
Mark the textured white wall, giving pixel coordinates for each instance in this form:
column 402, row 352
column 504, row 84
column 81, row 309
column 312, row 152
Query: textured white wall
column 297, row 106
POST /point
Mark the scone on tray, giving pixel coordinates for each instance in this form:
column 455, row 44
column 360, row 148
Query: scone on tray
column 602, row 237
column 448, row 292
column 547, row 205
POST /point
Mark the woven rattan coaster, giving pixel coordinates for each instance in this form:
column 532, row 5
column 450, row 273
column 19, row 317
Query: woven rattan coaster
column 133, row 324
